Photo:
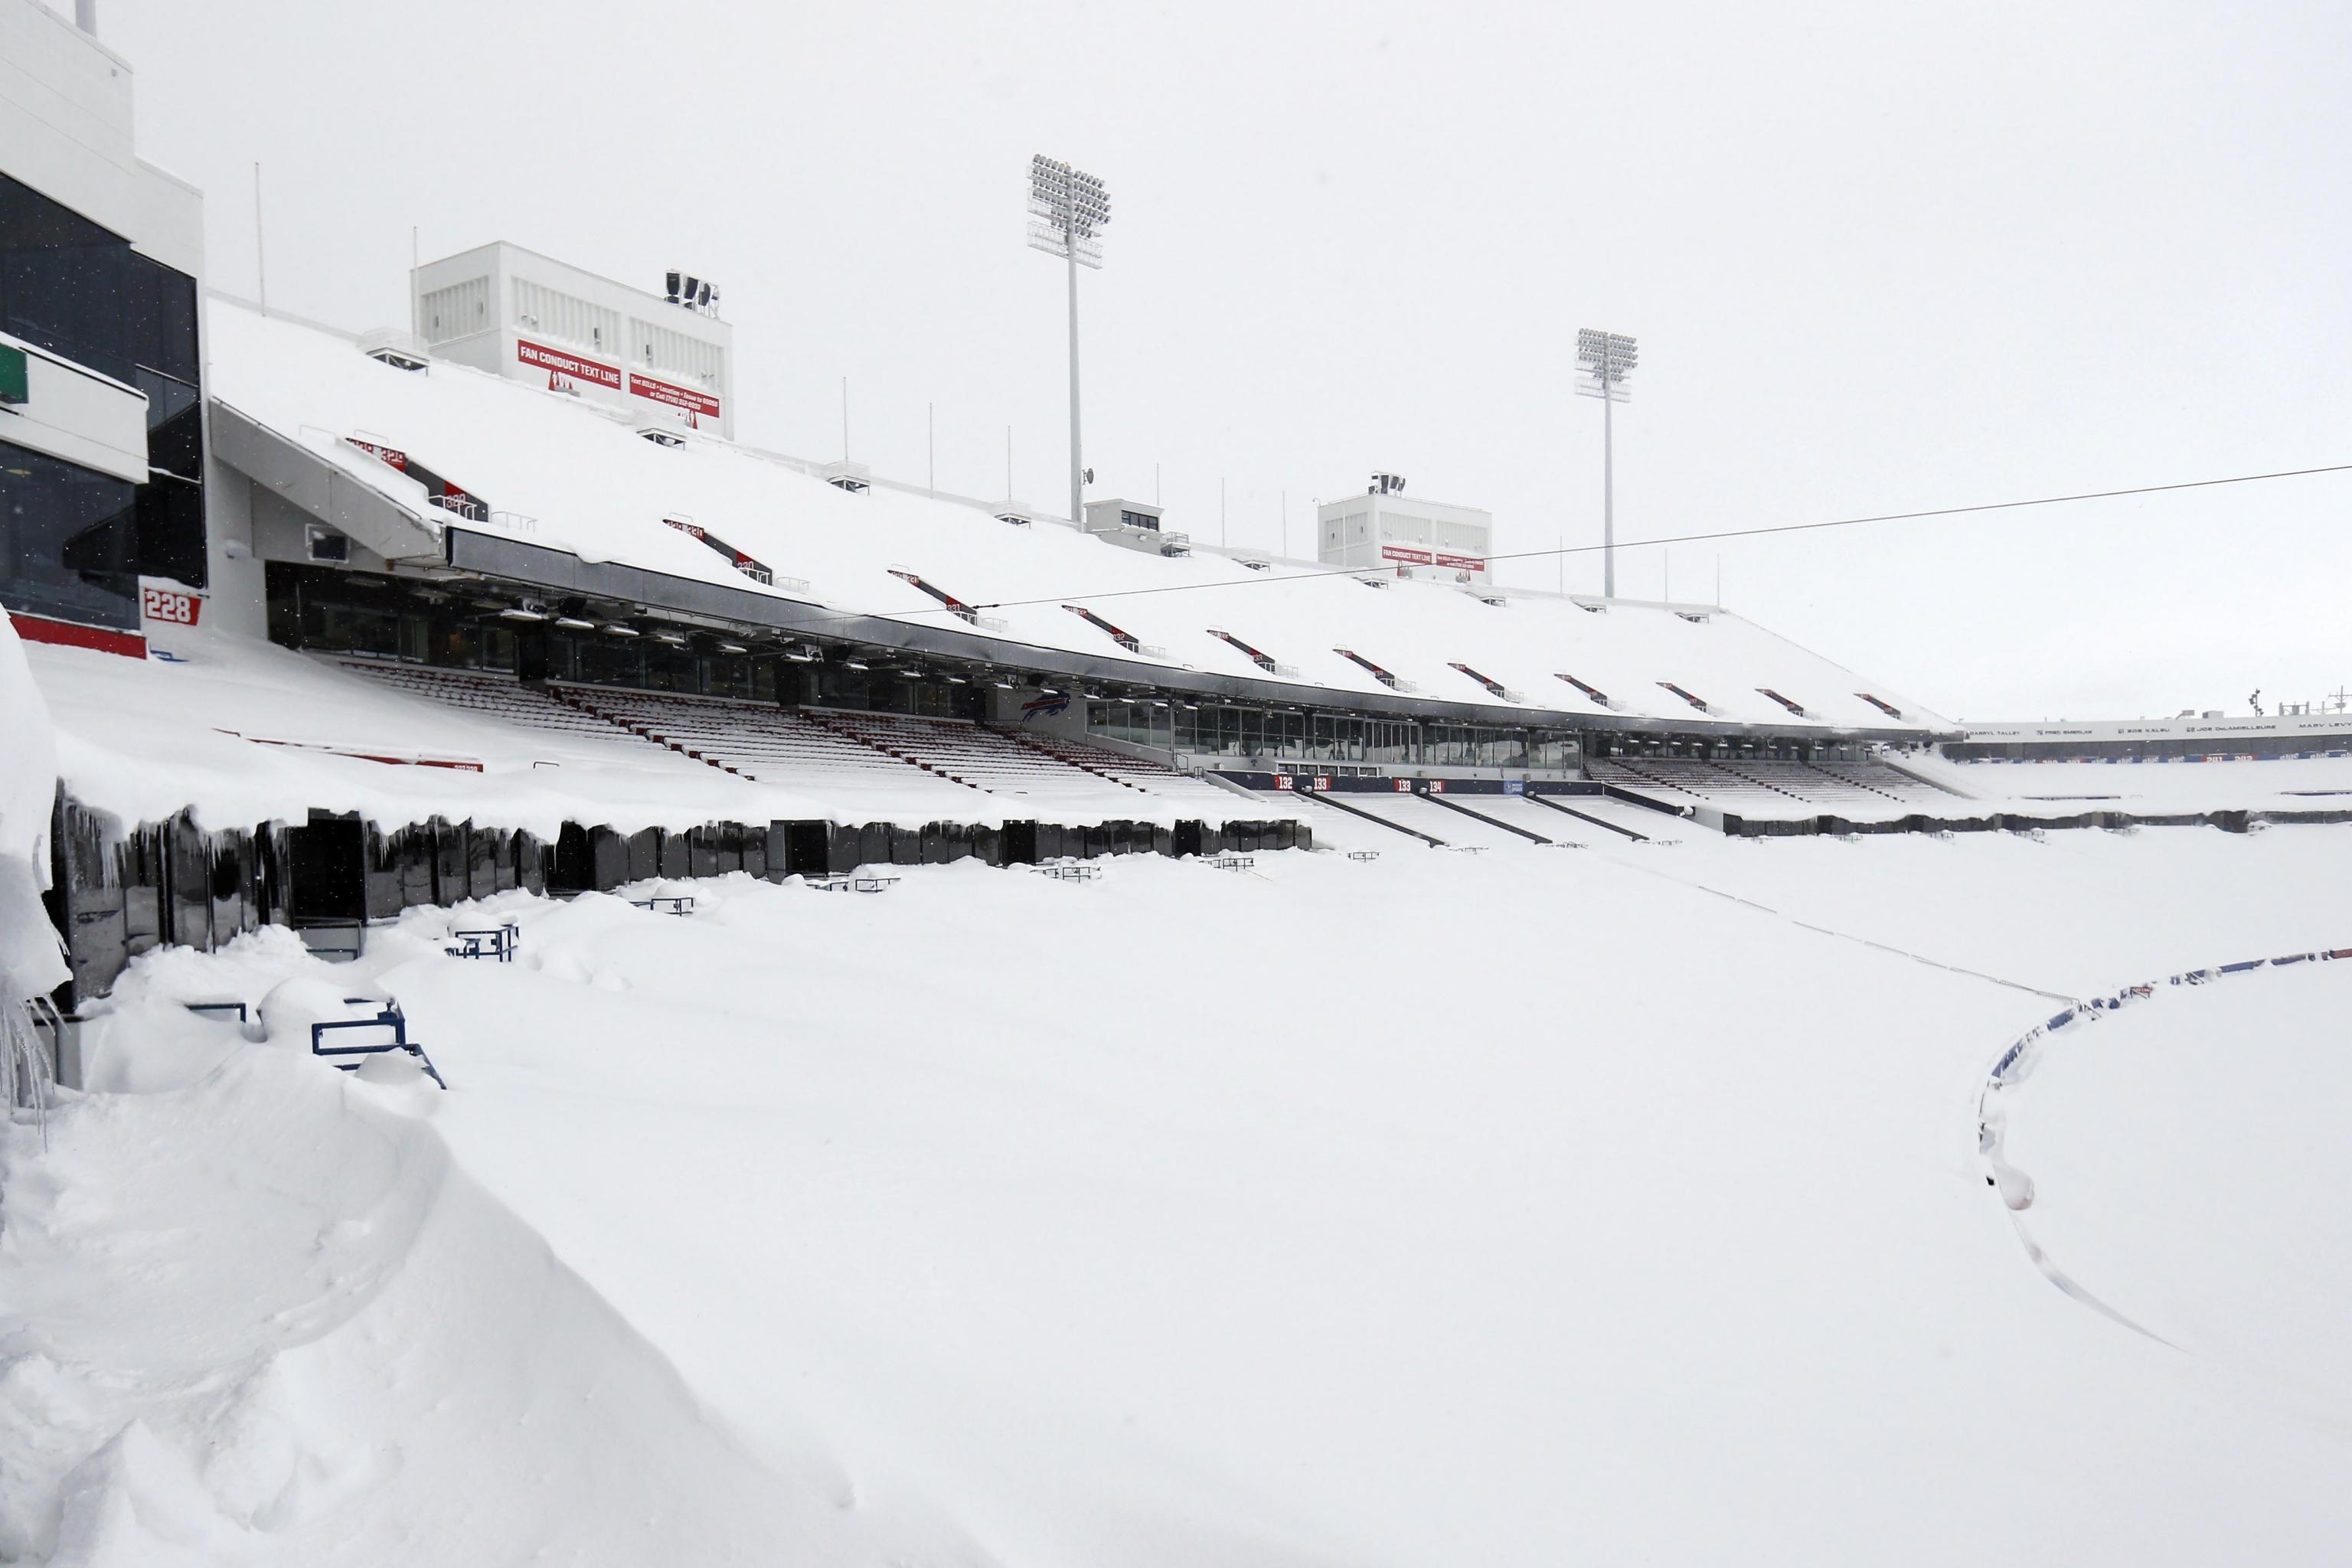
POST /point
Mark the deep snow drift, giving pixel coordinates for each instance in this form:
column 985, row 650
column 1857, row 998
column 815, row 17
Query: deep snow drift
column 1538, row 1206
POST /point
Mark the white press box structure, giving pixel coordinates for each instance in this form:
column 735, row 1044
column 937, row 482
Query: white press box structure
column 1388, row 530
column 517, row 313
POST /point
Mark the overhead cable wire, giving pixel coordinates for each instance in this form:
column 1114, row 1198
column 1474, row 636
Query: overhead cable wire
column 1264, row 579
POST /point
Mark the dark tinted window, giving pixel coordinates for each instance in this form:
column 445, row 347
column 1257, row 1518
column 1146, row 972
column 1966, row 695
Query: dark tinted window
column 175, row 435
column 66, row 537
column 65, row 282
column 171, row 530
column 159, row 325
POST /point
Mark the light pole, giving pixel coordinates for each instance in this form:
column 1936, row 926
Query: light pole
column 1068, row 209
column 1604, row 362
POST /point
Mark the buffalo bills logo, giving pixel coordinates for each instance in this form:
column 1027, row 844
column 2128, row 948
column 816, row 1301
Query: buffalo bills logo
column 1047, row 706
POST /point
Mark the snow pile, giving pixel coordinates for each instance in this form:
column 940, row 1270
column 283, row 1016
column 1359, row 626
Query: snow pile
column 253, row 1313
column 1625, row 1206
column 30, row 961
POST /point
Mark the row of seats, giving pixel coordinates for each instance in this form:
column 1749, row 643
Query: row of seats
column 499, row 697
column 1758, row 787
column 969, row 754
column 1154, row 778
column 810, row 747
column 757, row 740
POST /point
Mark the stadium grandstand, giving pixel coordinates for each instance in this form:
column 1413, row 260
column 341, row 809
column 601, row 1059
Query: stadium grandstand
column 335, row 622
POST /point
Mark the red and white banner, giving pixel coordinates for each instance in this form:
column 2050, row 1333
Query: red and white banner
column 1462, row 563
column 569, row 364
column 169, row 603
column 1406, row 553
column 683, row 398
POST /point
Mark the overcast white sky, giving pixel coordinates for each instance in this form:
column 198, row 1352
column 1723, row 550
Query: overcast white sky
column 1879, row 258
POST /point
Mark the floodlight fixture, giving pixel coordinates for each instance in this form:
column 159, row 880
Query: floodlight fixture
column 1068, row 209
column 1604, row 363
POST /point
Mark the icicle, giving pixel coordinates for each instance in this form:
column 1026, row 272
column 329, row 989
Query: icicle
column 26, row 1075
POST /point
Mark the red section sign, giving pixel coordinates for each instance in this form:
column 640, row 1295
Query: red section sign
column 1462, row 563
column 392, row 455
column 683, row 398
column 170, row 604
column 572, row 365
column 1404, row 552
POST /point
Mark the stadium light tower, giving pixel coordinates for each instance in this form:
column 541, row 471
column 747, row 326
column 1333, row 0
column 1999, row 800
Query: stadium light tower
column 1067, row 211
column 1605, row 361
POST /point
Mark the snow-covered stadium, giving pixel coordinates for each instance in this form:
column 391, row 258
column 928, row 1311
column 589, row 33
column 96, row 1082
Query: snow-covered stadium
column 1355, row 1062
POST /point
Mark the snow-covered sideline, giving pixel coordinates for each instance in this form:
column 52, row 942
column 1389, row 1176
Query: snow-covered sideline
column 2151, row 788
column 2189, row 1170
column 1627, row 1208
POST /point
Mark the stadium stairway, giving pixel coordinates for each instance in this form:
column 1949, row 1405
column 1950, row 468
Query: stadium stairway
column 762, row 741
column 506, row 702
column 979, row 757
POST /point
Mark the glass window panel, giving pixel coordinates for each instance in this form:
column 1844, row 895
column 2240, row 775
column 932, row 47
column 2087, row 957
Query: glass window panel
column 67, row 538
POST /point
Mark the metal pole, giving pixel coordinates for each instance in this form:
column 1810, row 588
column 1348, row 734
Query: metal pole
column 1608, row 484
column 1077, row 508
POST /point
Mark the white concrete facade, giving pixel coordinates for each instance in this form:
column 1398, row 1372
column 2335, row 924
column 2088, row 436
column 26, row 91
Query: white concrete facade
column 66, row 126
column 1409, row 536
column 74, row 412
column 515, row 313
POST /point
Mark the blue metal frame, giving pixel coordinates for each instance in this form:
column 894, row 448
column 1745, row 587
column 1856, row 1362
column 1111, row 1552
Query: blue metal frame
column 498, row 942
column 391, row 1017
column 668, row 904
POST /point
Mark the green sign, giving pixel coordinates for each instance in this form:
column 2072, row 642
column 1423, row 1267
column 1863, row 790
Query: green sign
column 13, row 384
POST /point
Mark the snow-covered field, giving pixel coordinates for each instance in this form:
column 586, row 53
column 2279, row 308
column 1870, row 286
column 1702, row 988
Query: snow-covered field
column 1607, row 1204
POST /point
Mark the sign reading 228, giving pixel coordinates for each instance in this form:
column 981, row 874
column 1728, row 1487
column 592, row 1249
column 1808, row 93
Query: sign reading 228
column 167, row 604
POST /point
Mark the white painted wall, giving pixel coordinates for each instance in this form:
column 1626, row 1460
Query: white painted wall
column 613, row 369
column 78, row 414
